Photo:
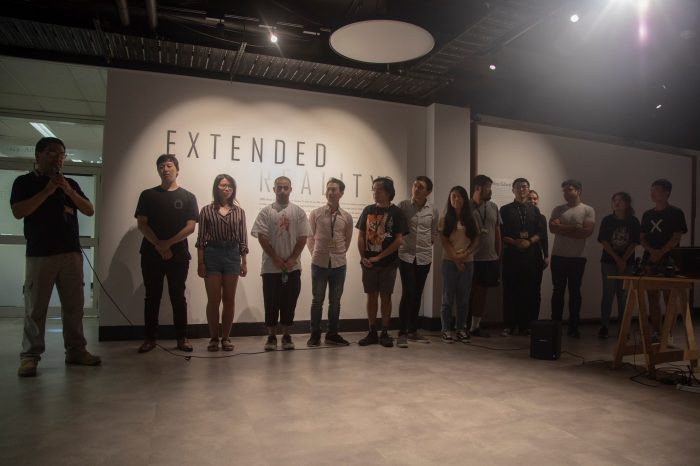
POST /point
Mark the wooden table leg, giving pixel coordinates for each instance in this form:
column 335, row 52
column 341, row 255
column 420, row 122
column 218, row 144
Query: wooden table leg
column 669, row 318
column 632, row 297
column 644, row 328
column 689, row 330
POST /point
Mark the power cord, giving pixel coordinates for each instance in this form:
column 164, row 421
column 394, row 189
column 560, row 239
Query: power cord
column 188, row 357
column 471, row 343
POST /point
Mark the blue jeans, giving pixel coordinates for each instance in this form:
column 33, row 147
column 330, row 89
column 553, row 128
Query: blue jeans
column 335, row 279
column 612, row 288
column 455, row 284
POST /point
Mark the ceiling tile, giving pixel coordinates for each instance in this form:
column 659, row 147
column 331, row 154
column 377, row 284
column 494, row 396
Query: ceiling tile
column 58, row 105
column 19, row 102
column 44, row 78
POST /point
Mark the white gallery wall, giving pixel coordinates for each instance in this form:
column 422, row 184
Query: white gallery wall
column 254, row 133
column 602, row 166
column 447, row 162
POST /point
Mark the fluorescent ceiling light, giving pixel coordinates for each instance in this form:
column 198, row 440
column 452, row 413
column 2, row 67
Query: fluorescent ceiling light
column 42, row 129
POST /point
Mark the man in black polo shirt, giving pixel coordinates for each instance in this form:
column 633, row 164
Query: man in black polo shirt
column 521, row 231
column 49, row 204
column 166, row 215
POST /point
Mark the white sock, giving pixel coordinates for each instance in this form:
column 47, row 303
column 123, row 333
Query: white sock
column 475, row 323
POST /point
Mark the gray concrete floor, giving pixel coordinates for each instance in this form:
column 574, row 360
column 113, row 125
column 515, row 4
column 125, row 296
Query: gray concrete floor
column 428, row 404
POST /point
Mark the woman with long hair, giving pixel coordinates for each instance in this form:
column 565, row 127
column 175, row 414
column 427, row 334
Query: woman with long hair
column 619, row 235
column 459, row 232
column 222, row 246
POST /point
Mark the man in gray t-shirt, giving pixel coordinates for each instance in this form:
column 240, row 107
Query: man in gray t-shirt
column 571, row 224
column 487, row 255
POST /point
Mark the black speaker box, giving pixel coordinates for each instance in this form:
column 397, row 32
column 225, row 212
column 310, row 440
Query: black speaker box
column 545, row 339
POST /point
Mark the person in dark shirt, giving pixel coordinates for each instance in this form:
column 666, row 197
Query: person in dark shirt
column 166, row 215
column 381, row 229
column 662, row 229
column 619, row 236
column 49, row 204
column 533, row 198
column 521, row 233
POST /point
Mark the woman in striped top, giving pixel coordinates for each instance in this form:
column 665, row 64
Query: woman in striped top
column 222, row 246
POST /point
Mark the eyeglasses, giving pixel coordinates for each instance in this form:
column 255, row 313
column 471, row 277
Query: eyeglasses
column 54, row 153
column 226, row 187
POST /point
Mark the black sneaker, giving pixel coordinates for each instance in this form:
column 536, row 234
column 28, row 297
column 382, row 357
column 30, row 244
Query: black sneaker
column 385, row 340
column 603, row 332
column 314, row 339
column 336, row 340
column 462, row 336
column 371, row 339
column 479, row 332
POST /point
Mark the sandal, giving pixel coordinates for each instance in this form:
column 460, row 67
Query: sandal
column 213, row 345
column 226, row 345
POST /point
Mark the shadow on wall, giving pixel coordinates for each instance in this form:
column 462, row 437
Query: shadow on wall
column 121, row 274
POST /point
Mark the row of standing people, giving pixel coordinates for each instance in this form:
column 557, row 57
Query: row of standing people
column 474, row 234
column 525, row 256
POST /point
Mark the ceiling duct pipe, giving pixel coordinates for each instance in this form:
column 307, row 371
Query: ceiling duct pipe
column 151, row 12
column 123, row 9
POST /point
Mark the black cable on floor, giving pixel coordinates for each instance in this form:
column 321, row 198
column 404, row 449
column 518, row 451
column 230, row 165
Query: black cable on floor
column 187, row 357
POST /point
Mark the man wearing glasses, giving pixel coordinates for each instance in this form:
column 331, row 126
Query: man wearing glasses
column 521, row 232
column 49, row 204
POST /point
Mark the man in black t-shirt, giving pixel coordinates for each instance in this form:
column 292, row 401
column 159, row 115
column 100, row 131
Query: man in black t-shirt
column 662, row 228
column 49, row 204
column 166, row 215
column 381, row 228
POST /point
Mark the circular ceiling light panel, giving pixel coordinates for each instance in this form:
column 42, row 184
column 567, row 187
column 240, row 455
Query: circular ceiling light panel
column 382, row 41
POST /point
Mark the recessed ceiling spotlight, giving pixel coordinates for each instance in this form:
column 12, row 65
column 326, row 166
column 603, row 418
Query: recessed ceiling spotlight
column 273, row 37
column 574, row 18
column 658, row 107
column 492, row 67
column 643, row 33
column 642, row 6
column 663, row 86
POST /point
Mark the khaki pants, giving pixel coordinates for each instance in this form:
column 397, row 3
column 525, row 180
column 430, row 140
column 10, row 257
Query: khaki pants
column 66, row 272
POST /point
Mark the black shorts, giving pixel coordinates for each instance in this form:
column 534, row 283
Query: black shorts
column 486, row 273
column 379, row 279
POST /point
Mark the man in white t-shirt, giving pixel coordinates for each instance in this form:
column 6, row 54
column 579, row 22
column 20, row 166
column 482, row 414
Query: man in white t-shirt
column 571, row 223
column 281, row 229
